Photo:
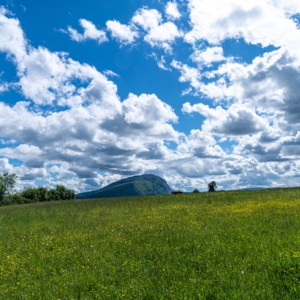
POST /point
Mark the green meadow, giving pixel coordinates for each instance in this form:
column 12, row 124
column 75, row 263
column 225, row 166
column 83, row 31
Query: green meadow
column 224, row 245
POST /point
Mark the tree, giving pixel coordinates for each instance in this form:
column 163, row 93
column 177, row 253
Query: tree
column 212, row 186
column 64, row 193
column 7, row 183
column 35, row 194
column 195, row 191
column 38, row 194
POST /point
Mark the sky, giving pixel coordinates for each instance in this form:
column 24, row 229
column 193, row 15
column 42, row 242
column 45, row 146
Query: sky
column 189, row 90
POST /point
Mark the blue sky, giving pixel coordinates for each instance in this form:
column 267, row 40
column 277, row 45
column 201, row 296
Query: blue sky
column 190, row 90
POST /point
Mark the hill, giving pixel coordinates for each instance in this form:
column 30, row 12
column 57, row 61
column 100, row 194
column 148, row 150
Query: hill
column 141, row 185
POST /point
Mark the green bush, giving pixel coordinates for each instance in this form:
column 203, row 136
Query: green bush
column 177, row 192
column 40, row 194
column 14, row 199
column 64, row 193
column 31, row 193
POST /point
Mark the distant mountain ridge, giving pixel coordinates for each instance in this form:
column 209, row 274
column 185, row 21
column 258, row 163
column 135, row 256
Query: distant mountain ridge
column 140, row 185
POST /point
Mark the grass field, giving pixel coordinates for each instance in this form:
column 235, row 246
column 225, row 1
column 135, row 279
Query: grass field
column 231, row 245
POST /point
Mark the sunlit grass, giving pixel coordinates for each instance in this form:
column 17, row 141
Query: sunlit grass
column 232, row 245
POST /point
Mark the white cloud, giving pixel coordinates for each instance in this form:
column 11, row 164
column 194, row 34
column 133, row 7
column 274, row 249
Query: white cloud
column 161, row 63
column 94, row 121
column 146, row 23
column 270, row 83
column 75, row 137
column 147, row 18
column 258, row 22
column 147, row 108
column 202, row 145
column 46, row 77
column 123, row 33
column 4, row 87
column 12, row 39
column 163, row 35
column 172, row 11
column 90, row 32
column 5, row 166
column 93, row 130
column 110, row 73
column 208, row 56
column 188, row 74
column 237, row 120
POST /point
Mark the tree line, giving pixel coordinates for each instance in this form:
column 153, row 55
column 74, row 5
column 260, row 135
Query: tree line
column 30, row 194
column 212, row 186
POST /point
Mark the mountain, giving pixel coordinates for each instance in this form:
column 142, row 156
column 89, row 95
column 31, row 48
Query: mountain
column 133, row 186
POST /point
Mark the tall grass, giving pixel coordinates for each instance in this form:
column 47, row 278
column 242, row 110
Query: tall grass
column 232, row 245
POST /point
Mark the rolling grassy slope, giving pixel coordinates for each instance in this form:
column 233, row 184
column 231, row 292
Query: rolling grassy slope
column 236, row 245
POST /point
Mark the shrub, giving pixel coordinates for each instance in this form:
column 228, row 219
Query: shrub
column 14, row 199
column 64, row 193
column 40, row 194
column 32, row 194
column 177, row 192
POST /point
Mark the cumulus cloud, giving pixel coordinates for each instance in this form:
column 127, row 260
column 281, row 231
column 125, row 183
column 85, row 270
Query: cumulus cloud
column 266, row 152
column 75, row 137
column 89, row 137
column 93, row 121
column 5, row 166
column 258, row 22
column 270, row 82
column 158, row 34
column 47, row 77
column 188, row 74
column 172, row 11
column 146, row 23
column 90, row 32
column 163, row 35
column 201, row 144
column 147, row 18
column 208, row 56
column 237, row 120
column 123, row 33
column 12, row 38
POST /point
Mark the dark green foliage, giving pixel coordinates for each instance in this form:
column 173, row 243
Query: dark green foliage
column 2, row 191
column 53, row 195
column 195, row 191
column 7, row 183
column 40, row 194
column 30, row 194
column 212, row 186
column 133, row 186
column 14, row 199
column 177, row 192
column 63, row 193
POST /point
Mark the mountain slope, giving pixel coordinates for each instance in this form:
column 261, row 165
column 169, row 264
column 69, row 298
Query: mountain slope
column 133, row 186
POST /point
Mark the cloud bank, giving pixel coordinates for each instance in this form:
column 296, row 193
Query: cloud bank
column 70, row 125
